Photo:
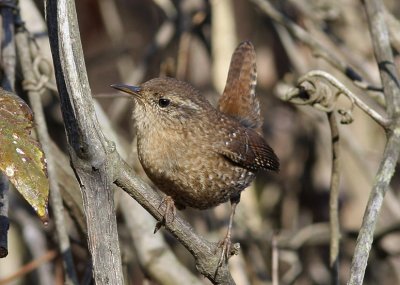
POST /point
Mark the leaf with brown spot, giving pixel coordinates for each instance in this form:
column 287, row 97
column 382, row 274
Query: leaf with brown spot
column 21, row 158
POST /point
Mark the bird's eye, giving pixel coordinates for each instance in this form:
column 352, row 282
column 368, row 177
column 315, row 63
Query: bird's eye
column 163, row 102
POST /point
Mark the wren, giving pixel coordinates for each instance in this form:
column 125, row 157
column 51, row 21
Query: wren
column 198, row 155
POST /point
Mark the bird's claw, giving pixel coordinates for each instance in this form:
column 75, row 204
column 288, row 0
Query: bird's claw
column 169, row 212
column 227, row 250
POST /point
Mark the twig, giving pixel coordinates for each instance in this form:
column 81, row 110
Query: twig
column 391, row 87
column 29, row 267
column 394, row 29
column 334, row 201
column 44, row 138
column 4, row 222
column 384, row 56
column 275, row 261
column 381, row 185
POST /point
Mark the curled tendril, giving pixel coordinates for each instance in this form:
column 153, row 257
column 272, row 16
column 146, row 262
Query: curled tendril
column 43, row 72
column 321, row 90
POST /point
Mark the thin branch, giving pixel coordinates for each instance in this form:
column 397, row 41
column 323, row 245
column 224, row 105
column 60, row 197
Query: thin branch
column 29, row 267
column 275, row 261
column 334, row 201
column 381, row 185
column 44, row 138
column 384, row 56
column 391, row 87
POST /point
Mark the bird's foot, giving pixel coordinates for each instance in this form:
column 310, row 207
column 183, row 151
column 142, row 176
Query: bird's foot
column 169, row 212
column 228, row 249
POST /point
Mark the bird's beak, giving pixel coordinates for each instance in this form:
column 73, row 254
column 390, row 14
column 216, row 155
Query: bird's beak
column 134, row 90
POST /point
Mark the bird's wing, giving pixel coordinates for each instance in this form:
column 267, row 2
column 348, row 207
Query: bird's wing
column 239, row 98
column 248, row 149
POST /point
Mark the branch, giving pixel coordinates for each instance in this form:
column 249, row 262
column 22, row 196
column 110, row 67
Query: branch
column 381, row 185
column 391, row 87
column 91, row 154
column 29, row 267
column 384, row 56
column 334, row 201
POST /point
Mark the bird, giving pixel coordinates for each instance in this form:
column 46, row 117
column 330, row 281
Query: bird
column 198, row 155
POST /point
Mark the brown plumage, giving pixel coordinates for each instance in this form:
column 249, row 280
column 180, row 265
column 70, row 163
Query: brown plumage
column 198, row 155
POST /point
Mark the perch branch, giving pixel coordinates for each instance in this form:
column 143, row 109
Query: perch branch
column 202, row 250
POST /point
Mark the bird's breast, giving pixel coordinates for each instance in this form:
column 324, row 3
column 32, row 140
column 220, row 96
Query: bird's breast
column 189, row 170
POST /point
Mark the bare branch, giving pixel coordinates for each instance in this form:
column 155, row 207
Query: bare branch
column 90, row 152
column 334, row 201
column 391, row 87
column 384, row 56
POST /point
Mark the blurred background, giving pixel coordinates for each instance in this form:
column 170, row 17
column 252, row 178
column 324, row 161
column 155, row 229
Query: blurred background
column 285, row 213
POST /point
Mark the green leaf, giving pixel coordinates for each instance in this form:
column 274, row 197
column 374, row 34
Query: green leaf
column 21, row 158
